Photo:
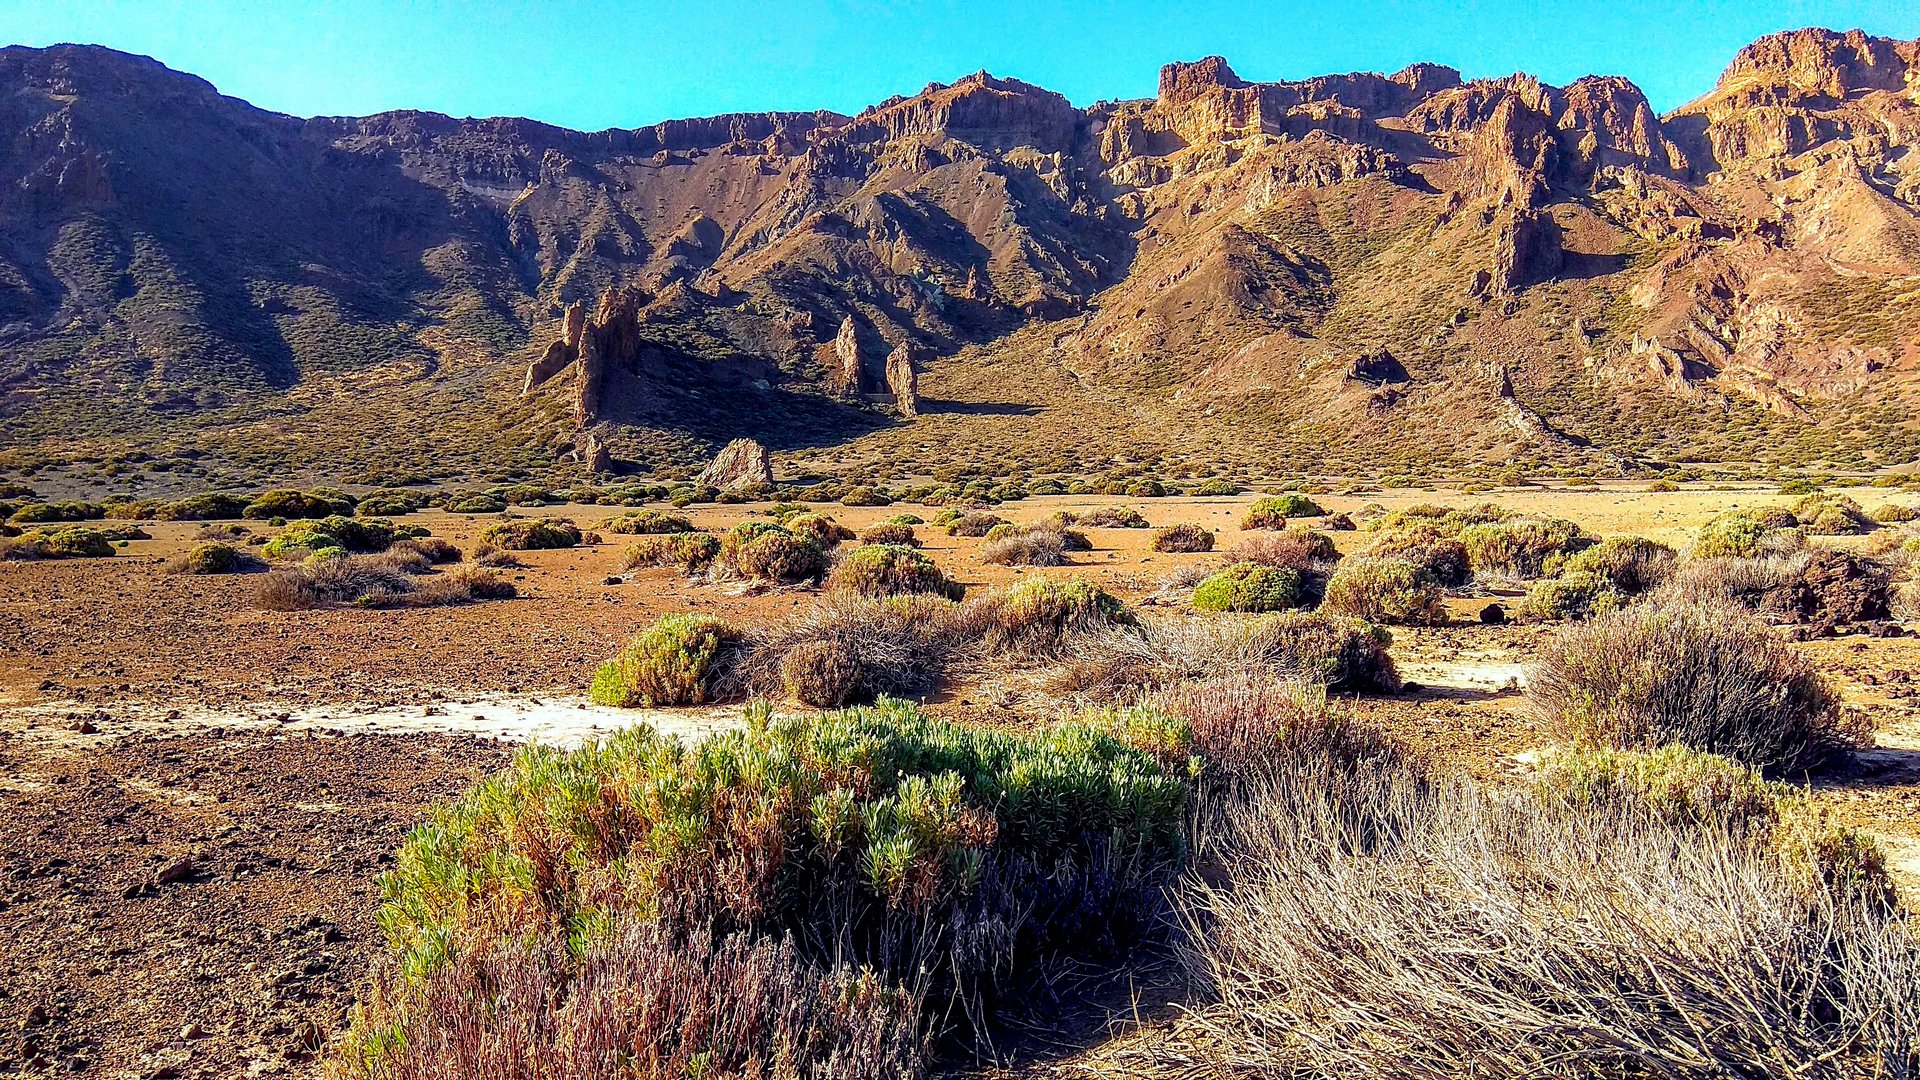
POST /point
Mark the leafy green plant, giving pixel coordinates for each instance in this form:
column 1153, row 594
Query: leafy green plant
column 1384, row 590
column 676, row 661
column 891, row 569
column 1249, row 587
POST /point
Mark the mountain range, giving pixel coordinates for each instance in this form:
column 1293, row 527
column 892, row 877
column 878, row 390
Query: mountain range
column 1353, row 274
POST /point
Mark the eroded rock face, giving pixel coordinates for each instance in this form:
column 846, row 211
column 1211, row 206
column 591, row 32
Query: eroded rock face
column 741, row 463
column 847, row 379
column 611, row 337
column 903, row 381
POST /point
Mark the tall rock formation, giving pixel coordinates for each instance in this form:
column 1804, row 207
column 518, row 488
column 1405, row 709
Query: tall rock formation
column 903, row 381
column 846, row 351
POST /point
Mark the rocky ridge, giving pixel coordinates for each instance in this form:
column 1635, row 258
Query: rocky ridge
column 1228, row 248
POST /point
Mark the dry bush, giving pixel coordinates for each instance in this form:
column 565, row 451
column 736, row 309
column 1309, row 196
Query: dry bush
column 1244, row 723
column 1441, row 557
column 846, row 647
column 1032, row 547
column 435, row 550
column 1293, row 549
column 975, row 524
column 687, row 552
column 1043, row 617
column 890, row 569
column 765, row 551
column 1114, row 517
column 661, row 1004
column 890, row 532
column 1709, row 677
column 284, row 590
column 1831, row 515
column 1387, row 923
column 1183, row 538
column 1330, row 650
column 823, row 529
column 1632, row 565
column 1383, row 590
column 1820, row 588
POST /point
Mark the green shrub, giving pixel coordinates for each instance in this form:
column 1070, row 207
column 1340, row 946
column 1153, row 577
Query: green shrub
column 1113, row 517
column 647, row 523
column 1273, row 511
column 1043, row 616
column 1677, row 783
column 215, row 558
column 1631, row 565
column 864, row 496
column 55, row 512
column 764, row 551
column 1709, row 677
column 1831, row 515
column 390, row 503
column 1746, row 533
column 1249, row 587
column 1183, row 538
column 890, row 532
column 337, row 533
column 1382, row 590
column 68, row 542
column 1895, row 514
column 208, row 507
column 288, row 503
column 477, row 503
column 1145, row 489
column 1046, row 487
column 531, row 534
column 908, row 520
column 1216, row 487
column 1521, row 547
column 889, row 569
column 975, row 524
column 689, row 552
column 678, row 660
column 824, row 530
column 1576, row 594
column 1441, row 557
column 932, row 858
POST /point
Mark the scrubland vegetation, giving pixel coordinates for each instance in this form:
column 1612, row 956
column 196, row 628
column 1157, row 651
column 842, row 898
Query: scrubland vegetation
column 876, row 890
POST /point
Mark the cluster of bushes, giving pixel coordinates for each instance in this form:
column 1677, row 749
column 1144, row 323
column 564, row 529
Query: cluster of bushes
column 398, row 577
column 289, row 503
column 1272, row 512
column 689, row 552
column 1600, row 579
column 45, row 513
column 767, row 551
column 338, row 534
column 68, row 542
column 647, row 523
column 790, row 894
column 532, row 534
column 891, row 625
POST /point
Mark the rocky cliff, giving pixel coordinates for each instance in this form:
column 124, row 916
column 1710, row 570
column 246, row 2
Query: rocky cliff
column 1729, row 280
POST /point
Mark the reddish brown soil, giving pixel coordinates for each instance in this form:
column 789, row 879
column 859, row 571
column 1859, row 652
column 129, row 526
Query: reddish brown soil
column 245, row 964
column 256, row 954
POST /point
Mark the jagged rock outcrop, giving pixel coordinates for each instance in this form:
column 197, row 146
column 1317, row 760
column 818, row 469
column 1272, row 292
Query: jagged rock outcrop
column 611, row 337
column 903, row 379
column 847, row 372
column 594, row 455
column 1223, row 248
column 741, row 463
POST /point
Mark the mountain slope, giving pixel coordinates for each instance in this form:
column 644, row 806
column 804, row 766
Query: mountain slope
column 1314, row 275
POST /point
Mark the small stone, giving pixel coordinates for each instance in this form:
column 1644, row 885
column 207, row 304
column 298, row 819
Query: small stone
column 1493, row 615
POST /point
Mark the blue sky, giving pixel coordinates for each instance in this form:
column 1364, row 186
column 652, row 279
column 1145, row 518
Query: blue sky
column 597, row 65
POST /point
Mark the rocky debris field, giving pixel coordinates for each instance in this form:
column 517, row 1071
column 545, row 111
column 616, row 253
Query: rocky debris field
column 204, row 905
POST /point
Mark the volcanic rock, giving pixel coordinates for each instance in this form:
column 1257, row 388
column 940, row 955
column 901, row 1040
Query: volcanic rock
column 741, row 463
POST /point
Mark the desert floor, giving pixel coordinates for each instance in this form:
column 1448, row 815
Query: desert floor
column 199, row 795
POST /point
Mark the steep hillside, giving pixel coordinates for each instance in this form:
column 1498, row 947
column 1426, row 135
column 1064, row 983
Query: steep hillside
column 1354, row 273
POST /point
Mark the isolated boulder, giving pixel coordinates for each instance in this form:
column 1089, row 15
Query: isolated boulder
column 741, row 463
